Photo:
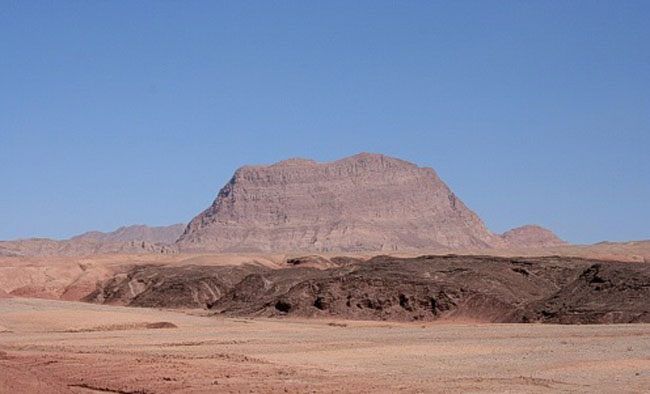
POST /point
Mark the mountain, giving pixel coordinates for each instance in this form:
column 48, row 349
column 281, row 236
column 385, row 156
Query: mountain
column 363, row 202
column 138, row 239
column 162, row 234
column 79, row 247
column 366, row 202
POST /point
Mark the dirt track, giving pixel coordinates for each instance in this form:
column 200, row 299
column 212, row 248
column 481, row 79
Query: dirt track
column 68, row 347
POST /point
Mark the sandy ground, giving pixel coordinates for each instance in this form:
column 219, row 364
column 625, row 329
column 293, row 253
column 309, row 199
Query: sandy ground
column 49, row 346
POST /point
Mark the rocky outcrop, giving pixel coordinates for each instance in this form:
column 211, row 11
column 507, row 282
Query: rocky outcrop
column 363, row 202
column 426, row 288
column 171, row 287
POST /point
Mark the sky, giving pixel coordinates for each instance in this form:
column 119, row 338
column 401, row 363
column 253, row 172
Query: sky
column 125, row 112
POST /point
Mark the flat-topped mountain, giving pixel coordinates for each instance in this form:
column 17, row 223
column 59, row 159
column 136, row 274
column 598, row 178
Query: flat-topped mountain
column 366, row 202
column 363, row 202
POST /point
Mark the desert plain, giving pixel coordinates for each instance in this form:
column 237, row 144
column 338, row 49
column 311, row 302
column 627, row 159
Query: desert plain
column 50, row 342
column 51, row 346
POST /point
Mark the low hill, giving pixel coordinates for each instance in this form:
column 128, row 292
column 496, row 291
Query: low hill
column 140, row 232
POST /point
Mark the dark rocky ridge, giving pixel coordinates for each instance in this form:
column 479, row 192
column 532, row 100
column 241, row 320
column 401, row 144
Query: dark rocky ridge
column 171, row 287
column 427, row 288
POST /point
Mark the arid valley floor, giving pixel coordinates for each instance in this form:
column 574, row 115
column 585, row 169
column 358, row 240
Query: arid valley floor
column 52, row 343
column 68, row 347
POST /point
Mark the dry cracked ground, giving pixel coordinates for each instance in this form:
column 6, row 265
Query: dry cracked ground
column 51, row 346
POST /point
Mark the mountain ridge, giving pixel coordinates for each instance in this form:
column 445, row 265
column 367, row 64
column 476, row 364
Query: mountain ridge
column 137, row 232
column 136, row 239
column 365, row 202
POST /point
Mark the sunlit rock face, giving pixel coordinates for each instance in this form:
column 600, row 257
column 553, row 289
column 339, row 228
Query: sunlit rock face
column 366, row 202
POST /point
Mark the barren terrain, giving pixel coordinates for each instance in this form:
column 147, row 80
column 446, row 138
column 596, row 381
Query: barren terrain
column 73, row 277
column 55, row 344
column 51, row 346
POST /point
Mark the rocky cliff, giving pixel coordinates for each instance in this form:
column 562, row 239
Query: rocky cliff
column 363, row 202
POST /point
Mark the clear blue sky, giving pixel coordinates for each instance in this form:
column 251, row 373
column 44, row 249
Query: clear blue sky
column 122, row 112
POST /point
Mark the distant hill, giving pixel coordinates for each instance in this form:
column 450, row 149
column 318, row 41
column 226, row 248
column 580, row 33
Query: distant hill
column 531, row 236
column 140, row 232
column 79, row 247
column 138, row 239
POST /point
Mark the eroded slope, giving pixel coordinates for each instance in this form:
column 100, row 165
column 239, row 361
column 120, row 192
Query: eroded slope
column 482, row 288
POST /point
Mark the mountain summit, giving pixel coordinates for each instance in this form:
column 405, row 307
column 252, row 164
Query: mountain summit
column 366, row 202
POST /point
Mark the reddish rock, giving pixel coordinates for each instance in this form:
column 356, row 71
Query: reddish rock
column 531, row 236
column 363, row 202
